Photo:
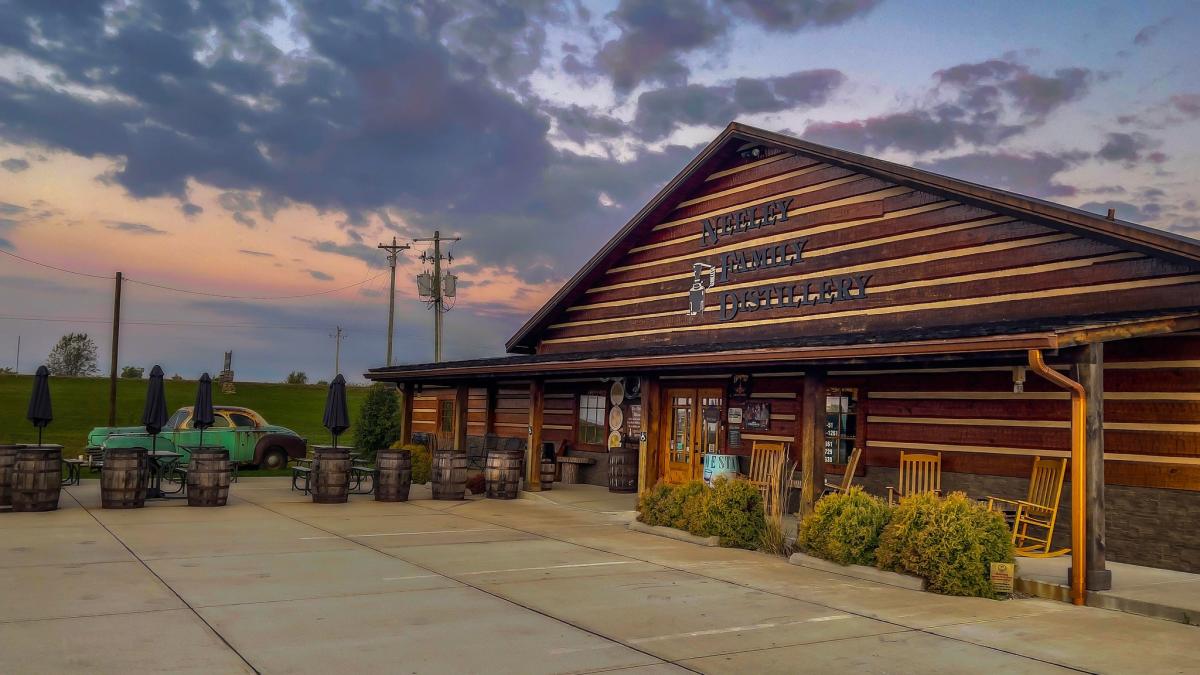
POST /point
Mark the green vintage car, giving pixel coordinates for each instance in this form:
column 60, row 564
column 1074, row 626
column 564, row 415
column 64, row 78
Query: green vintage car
column 241, row 431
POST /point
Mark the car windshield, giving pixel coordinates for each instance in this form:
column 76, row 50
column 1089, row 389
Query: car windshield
column 176, row 419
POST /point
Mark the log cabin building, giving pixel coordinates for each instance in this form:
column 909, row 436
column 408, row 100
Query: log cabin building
column 779, row 290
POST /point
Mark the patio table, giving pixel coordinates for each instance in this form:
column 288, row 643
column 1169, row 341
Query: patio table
column 73, row 466
column 161, row 463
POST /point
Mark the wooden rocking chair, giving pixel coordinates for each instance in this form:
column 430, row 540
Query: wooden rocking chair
column 1039, row 511
column 847, row 478
column 766, row 474
column 918, row 474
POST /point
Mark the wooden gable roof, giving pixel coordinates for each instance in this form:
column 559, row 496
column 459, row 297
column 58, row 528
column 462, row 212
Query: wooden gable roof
column 805, row 240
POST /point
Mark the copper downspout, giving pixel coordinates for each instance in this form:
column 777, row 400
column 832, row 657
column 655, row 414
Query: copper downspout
column 1078, row 471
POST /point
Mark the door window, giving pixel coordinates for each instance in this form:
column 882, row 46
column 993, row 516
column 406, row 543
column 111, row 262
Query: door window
column 241, row 420
column 446, row 416
column 710, row 424
column 681, row 429
column 219, row 422
column 841, row 424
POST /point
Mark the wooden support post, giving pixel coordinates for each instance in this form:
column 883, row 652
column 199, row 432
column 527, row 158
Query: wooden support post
column 533, row 453
column 810, row 439
column 489, row 410
column 406, row 412
column 1088, row 370
column 462, row 401
column 648, row 450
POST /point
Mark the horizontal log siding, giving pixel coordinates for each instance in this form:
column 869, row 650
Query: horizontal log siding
column 1151, row 411
column 933, row 263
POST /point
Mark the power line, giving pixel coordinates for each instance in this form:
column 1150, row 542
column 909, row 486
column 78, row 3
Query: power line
column 254, row 297
column 191, row 324
column 190, row 292
column 57, row 269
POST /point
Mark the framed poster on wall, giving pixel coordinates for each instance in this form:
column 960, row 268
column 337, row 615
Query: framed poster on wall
column 756, row 415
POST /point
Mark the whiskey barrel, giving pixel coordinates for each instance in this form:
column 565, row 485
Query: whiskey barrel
column 37, row 478
column 393, row 475
column 8, row 459
column 449, row 475
column 123, row 479
column 207, row 477
column 503, row 474
column 330, row 475
column 622, row 470
column 548, row 467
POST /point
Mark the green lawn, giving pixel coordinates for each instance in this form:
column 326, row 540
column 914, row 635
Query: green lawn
column 81, row 403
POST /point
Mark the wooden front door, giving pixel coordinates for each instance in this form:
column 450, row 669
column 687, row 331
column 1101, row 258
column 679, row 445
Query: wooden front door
column 692, row 428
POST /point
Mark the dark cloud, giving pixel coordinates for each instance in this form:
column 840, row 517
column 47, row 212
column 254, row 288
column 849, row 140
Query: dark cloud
column 580, row 124
column 260, row 254
column 15, row 165
column 134, row 228
column 1188, row 104
column 190, row 210
column 982, row 103
column 1147, row 34
column 661, row 111
column 319, row 275
column 368, row 254
column 1130, row 149
column 1033, row 174
column 789, row 15
column 655, row 37
column 243, row 219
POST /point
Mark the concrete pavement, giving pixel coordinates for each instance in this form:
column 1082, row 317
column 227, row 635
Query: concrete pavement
column 273, row 583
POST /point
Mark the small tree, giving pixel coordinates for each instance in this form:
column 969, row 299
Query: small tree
column 297, row 377
column 73, row 356
column 379, row 420
column 7, row 371
column 132, row 372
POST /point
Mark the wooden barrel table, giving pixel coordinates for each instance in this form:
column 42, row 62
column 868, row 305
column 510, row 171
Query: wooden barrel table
column 622, row 470
column 207, row 477
column 37, row 478
column 393, row 475
column 449, row 474
column 548, row 469
column 330, row 481
column 502, row 474
column 8, row 459
column 124, row 478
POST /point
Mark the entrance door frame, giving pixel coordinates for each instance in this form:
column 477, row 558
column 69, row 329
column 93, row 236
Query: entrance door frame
column 674, row 472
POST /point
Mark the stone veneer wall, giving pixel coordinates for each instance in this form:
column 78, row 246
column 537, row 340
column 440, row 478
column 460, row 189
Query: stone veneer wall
column 1144, row 526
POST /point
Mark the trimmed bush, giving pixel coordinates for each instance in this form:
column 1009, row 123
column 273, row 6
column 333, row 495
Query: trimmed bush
column 731, row 510
column 422, row 462
column 844, row 528
column 951, row 542
column 734, row 512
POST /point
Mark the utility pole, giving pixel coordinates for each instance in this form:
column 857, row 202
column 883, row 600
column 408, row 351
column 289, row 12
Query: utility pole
column 393, row 250
column 116, row 341
column 436, row 290
column 18, row 369
column 337, row 351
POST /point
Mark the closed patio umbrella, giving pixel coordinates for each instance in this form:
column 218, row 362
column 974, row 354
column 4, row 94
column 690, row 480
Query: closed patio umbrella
column 154, row 415
column 202, row 410
column 337, row 416
column 40, row 413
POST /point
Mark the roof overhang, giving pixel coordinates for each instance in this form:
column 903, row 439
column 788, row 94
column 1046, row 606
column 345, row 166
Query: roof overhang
column 989, row 346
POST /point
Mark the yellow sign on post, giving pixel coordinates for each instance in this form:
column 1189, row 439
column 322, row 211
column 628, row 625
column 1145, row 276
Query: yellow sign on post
column 1002, row 577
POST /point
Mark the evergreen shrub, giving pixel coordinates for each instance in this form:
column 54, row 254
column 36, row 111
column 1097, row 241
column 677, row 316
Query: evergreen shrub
column 844, row 528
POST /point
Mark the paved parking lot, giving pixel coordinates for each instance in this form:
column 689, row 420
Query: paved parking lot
column 273, row 583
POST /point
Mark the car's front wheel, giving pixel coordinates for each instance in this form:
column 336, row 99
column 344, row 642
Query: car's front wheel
column 273, row 458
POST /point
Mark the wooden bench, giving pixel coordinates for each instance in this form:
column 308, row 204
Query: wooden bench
column 570, row 468
column 301, row 470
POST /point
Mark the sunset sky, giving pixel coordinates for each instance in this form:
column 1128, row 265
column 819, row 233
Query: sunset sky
column 262, row 148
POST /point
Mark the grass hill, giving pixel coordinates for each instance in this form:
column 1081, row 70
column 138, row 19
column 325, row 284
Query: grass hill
column 81, row 403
